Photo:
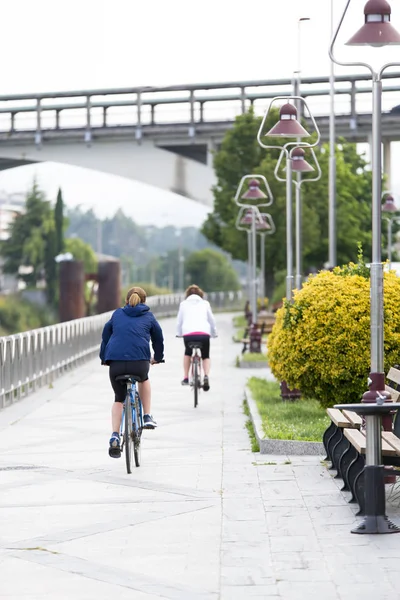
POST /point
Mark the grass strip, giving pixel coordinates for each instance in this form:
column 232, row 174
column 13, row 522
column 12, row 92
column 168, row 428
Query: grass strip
column 255, row 447
column 303, row 420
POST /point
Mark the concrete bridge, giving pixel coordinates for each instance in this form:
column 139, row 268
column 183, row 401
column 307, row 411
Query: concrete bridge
column 165, row 136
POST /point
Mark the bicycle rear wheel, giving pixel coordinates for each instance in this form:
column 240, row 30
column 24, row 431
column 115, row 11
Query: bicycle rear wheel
column 196, row 382
column 137, row 432
column 128, row 442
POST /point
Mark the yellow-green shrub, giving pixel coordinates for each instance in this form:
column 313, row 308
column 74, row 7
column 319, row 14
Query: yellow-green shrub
column 321, row 343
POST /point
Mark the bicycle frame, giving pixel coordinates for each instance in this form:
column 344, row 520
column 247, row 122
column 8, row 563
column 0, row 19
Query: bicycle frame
column 137, row 419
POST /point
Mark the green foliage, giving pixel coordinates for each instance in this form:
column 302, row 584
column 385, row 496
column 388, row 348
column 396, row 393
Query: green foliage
column 254, row 357
column 29, row 238
column 211, row 270
column 18, row 315
column 82, row 252
column 59, row 223
column 149, row 288
column 301, row 420
column 320, row 344
column 240, row 154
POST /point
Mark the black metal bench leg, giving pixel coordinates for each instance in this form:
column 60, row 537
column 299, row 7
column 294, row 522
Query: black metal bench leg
column 332, row 443
column 337, row 452
column 348, row 456
column 359, row 492
column 354, row 469
column 327, row 435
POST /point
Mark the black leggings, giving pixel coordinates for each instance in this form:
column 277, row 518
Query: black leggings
column 201, row 338
column 140, row 368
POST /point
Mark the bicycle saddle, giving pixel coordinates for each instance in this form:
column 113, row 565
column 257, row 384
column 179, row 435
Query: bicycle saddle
column 125, row 378
column 194, row 345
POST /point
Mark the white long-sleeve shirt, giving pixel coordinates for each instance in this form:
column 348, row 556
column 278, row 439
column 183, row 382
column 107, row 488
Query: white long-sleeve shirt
column 195, row 316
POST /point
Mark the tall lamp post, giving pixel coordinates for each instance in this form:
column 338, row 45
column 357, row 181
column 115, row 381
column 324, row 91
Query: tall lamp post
column 299, row 165
column 288, row 126
column 332, row 163
column 252, row 198
column 264, row 228
column 376, row 31
column 389, row 207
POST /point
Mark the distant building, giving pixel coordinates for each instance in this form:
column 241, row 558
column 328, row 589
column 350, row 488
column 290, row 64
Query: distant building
column 10, row 206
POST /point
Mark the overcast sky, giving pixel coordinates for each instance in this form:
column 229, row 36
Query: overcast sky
column 85, row 44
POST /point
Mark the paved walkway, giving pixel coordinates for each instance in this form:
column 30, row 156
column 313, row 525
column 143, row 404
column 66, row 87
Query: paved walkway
column 202, row 518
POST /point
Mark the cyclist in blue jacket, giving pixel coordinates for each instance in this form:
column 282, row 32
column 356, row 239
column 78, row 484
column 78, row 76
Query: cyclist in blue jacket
column 125, row 347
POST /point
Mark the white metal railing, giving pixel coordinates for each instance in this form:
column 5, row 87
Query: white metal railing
column 35, row 358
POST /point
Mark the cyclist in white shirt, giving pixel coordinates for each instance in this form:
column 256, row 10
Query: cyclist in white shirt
column 196, row 323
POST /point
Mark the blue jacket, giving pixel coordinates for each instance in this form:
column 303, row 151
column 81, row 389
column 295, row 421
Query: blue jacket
column 127, row 335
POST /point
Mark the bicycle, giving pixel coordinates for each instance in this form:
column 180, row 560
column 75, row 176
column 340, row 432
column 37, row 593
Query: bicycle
column 132, row 422
column 196, row 370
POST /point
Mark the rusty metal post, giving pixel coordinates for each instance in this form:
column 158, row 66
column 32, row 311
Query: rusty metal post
column 72, row 290
column 109, row 292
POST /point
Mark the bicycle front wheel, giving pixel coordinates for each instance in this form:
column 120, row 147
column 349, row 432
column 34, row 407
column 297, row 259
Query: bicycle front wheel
column 128, row 442
column 196, row 383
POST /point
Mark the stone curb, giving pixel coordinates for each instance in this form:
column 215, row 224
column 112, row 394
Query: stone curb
column 268, row 446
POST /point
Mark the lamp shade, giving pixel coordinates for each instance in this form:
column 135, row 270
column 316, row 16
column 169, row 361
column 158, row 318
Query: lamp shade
column 389, row 205
column 299, row 164
column 288, row 125
column 247, row 218
column 262, row 225
column 253, row 192
column 377, row 30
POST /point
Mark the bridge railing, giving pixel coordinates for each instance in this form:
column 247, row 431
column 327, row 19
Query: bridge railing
column 149, row 108
column 35, row 358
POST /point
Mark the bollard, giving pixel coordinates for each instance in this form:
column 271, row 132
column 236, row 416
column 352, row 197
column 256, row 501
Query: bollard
column 255, row 338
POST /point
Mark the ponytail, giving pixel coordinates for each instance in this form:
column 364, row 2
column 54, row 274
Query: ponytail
column 134, row 300
column 135, row 296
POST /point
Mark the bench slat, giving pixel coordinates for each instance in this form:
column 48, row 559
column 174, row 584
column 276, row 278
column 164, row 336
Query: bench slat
column 394, row 375
column 353, row 417
column 337, row 417
column 394, row 393
column 392, row 440
column 358, row 440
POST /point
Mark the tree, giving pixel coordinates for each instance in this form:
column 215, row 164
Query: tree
column 240, row 154
column 83, row 252
column 212, row 271
column 29, row 239
column 59, row 223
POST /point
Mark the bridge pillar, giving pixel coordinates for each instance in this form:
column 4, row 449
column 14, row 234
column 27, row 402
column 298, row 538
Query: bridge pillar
column 387, row 159
column 72, row 290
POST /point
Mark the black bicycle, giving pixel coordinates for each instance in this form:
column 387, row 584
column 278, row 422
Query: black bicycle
column 195, row 380
column 132, row 422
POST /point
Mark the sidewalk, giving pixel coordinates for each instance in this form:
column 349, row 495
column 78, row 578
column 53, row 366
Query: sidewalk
column 202, row 518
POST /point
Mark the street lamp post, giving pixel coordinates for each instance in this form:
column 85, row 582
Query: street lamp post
column 297, row 182
column 332, row 163
column 389, row 207
column 288, row 126
column 299, row 165
column 252, row 198
column 376, row 31
column 264, row 228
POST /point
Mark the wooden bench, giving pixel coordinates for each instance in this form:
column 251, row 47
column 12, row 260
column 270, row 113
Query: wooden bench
column 333, row 436
column 345, row 444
